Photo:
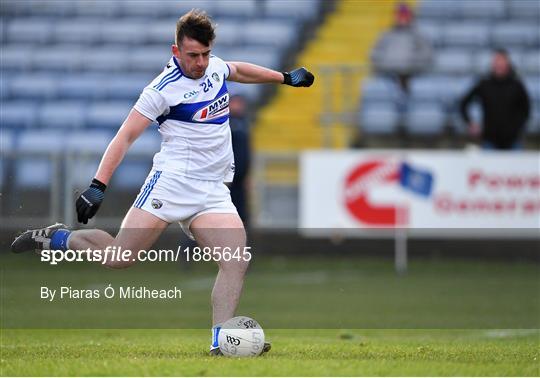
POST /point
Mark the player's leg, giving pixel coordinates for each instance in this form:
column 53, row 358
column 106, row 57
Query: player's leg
column 139, row 230
column 223, row 230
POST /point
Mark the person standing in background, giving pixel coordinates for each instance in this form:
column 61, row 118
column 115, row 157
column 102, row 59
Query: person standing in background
column 505, row 106
column 239, row 123
column 402, row 52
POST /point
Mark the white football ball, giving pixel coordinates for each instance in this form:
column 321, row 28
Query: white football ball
column 241, row 337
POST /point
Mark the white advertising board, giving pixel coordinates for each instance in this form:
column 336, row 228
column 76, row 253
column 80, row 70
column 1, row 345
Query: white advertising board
column 426, row 192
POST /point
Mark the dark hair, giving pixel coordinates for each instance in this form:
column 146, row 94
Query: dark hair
column 501, row 51
column 197, row 25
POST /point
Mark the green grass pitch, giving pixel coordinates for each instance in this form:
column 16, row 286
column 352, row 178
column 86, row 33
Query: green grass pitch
column 444, row 318
column 295, row 353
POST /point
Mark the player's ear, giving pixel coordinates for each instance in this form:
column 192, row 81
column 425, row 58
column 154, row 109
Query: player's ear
column 175, row 51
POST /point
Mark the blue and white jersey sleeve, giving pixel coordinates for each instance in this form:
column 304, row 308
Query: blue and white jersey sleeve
column 151, row 104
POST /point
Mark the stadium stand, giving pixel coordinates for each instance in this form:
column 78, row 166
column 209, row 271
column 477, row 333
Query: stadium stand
column 464, row 34
column 71, row 70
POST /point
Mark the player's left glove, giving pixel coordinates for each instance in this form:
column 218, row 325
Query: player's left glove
column 90, row 200
column 300, row 77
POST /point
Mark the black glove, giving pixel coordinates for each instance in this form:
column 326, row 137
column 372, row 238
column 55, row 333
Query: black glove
column 300, row 77
column 89, row 201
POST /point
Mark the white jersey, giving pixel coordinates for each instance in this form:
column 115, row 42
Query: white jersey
column 193, row 117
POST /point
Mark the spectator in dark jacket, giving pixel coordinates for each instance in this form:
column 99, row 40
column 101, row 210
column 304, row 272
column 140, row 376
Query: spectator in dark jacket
column 505, row 106
column 242, row 155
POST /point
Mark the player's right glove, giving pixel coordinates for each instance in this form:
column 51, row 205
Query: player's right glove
column 90, row 200
column 300, row 77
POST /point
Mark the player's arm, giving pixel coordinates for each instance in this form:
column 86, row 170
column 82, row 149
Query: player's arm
column 130, row 130
column 90, row 200
column 243, row 72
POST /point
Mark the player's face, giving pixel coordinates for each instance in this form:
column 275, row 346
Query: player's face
column 193, row 57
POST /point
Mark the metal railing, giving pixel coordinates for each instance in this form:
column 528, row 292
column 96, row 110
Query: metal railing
column 57, row 196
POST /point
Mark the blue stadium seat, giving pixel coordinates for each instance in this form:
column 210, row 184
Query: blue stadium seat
column 151, row 58
column 36, row 172
column 178, row 8
column 229, row 33
column 137, row 164
column 5, row 90
column 83, row 86
column 254, row 54
column 7, row 141
column 483, row 9
column 453, row 88
column 427, row 88
column 95, row 8
column 446, row 90
column 532, row 84
column 88, row 141
column 132, row 8
column 125, row 32
column 533, row 125
column 63, row 58
column 29, row 30
column 131, row 174
column 82, row 30
column 109, row 59
column 438, row 9
column 252, row 92
column 515, row 33
column 2, row 31
column 379, row 89
column 378, row 118
column 15, row 58
column 531, row 62
column 83, row 169
column 7, row 145
column 18, row 114
column 126, row 87
column 453, row 61
column 66, row 114
column 524, row 9
column 236, row 8
column 49, row 8
column 302, row 10
column 87, row 146
column 162, row 33
column 37, row 86
column 431, row 30
column 109, row 114
column 276, row 34
column 470, row 34
column 425, row 119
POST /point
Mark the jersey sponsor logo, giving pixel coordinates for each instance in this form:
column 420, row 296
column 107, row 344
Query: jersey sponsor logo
column 190, row 94
column 217, row 108
column 371, row 176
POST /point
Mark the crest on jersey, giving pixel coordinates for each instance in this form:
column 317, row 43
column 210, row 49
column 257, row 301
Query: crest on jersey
column 215, row 76
column 216, row 109
column 156, row 204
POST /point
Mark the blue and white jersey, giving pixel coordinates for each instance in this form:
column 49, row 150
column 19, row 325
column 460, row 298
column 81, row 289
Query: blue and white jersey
column 193, row 115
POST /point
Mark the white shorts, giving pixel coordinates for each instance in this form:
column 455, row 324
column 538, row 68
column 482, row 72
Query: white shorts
column 175, row 198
